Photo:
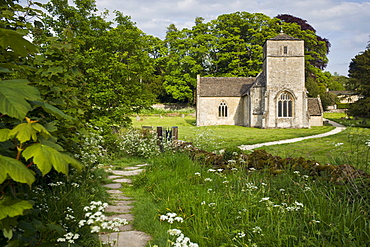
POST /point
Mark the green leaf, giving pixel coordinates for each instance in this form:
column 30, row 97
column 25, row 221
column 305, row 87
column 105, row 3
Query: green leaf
column 14, row 95
column 8, row 233
column 4, row 135
column 14, row 243
column 10, row 207
column 52, row 144
column 46, row 157
column 26, row 131
column 56, row 228
column 51, row 109
column 15, row 41
column 16, row 171
column 4, row 70
column 75, row 163
column 51, row 126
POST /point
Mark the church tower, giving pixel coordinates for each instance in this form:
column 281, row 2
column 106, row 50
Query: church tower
column 285, row 97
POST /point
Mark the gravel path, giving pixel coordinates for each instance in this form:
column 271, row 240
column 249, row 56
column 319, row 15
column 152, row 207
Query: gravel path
column 338, row 128
column 121, row 207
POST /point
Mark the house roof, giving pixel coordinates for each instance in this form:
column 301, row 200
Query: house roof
column 315, row 107
column 224, row 86
column 283, row 36
column 342, row 92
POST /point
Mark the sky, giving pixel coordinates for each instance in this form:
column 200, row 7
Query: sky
column 346, row 24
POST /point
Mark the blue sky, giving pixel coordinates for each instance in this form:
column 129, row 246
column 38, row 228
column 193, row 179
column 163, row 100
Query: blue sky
column 345, row 23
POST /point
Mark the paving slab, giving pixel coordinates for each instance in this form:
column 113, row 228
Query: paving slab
column 143, row 165
column 122, row 203
column 128, row 173
column 114, row 191
column 120, row 197
column 123, row 180
column 129, row 217
column 119, row 209
column 113, row 186
column 127, row 239
column 114, row 177
column 131, row 168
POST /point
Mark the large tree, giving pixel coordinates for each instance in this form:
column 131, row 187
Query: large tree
column 231, row 45
column 359, row 82
column 113, row 60
column 359, row 74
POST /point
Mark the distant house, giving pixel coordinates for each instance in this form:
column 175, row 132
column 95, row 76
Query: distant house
column 346, row 96
column 276, row 98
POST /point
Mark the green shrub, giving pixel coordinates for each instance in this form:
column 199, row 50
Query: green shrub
column 343, row 105
column 141, row 143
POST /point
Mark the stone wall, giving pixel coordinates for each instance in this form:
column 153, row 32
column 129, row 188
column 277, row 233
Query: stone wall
column 209, row 111
column 171, row 107
column 316, row 121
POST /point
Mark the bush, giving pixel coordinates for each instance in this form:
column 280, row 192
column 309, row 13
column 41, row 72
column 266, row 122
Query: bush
column 343, row 105
column 142, row 143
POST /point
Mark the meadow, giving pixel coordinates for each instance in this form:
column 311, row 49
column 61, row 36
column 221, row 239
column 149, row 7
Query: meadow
column 183, row 202
column 243, row 206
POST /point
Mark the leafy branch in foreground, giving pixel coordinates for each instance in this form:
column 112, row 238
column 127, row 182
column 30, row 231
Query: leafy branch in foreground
column 26, row 148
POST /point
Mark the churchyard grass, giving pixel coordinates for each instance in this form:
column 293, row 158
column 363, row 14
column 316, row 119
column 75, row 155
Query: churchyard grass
column 212, row 138
column 343, row 119
column 348, row 147
column 245, row 207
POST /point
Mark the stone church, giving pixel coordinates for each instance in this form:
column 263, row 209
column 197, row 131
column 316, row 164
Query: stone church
column 276, row 98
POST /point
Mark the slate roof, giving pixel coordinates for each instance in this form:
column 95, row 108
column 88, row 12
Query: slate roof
column 283, row 36
column 224, row 86
column 315, row 107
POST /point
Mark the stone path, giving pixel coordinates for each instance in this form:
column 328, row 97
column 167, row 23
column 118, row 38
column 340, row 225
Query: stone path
column 121, row 207
column 338, row 128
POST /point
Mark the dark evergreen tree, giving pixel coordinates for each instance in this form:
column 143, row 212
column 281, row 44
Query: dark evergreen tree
column 359, row 82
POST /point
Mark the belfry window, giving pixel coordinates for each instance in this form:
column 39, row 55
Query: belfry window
column 222, row 109
column 285, row 105
column 285, row 50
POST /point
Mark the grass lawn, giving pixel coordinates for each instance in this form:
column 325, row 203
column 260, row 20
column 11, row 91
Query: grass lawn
column 347, row 147
column 342, row 118
column 225, row 136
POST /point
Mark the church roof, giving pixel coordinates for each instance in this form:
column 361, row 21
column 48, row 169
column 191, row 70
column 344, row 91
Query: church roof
column 224, row 86
column 283, row 36
column 315, row 107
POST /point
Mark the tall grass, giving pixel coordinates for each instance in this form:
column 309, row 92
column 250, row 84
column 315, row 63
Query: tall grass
column 246, row 207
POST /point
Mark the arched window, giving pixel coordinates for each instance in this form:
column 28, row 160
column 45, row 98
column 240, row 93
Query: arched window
column 222, row 109
column 285, row 105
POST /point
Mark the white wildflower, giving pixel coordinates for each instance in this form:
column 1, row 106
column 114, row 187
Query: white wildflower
column 95, row 229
